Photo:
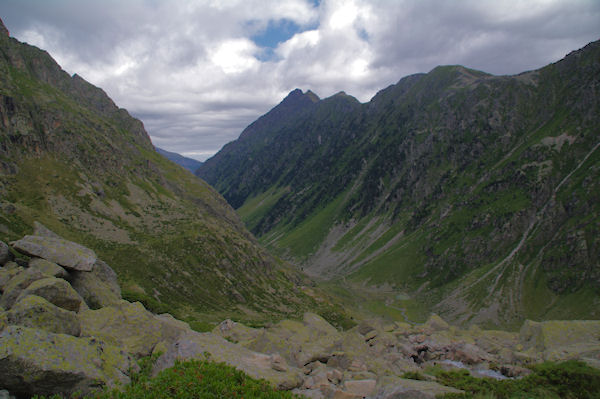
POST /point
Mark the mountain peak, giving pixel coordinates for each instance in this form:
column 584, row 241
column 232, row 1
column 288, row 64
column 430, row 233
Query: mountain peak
column 297, row 95
column 3, row 29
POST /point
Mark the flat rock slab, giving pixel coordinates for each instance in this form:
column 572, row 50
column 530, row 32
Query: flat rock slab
column 66, row 253
column 397, row 388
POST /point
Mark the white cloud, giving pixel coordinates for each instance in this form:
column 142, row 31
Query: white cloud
column 192, row 73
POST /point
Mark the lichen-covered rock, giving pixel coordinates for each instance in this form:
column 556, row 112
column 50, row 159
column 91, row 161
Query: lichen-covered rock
column 36, row 312
column 5, row 254
column 360, row 387
column 13, row 288
column 56, row 291
column 36, row 362
column 129, row 326
column 66, row 253
column 99, row 287
column 7, row 272
column 195, row 345
column 237, row 332
column 49, row 268
column 436, row 323
column 299, row 343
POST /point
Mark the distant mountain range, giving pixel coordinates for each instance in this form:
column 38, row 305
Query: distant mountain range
column 475, row 195
column 188, row 163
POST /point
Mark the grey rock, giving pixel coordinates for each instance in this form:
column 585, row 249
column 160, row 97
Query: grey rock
column 66, row 253
column 41, row 230
column 400, row 388
column 36, row 312
column 99, row 288
column 56, row 291
column 20, row 281
column 5, row 254
column 36, row 362
column 47, row 267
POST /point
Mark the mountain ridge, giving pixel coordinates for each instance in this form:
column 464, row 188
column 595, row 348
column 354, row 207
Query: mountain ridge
column 437, row 180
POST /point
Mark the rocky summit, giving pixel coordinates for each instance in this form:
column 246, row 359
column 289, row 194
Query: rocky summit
column 58, row 337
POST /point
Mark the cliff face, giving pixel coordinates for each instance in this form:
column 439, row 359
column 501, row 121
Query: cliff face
column 476, row 194
column 72, row 159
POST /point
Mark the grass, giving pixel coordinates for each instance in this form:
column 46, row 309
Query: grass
column 191, row 379
column 569, row 380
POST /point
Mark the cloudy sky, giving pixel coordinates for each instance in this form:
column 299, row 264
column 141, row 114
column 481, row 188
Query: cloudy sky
column 197, row 72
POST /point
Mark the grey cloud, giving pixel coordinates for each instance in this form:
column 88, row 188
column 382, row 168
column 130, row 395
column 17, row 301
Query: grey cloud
column 156, row 58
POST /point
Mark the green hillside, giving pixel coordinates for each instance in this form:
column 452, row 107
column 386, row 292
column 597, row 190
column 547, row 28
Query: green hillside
column 474, row 195
column 85, row 168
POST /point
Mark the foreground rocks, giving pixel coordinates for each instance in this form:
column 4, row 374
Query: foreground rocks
column 64, row 328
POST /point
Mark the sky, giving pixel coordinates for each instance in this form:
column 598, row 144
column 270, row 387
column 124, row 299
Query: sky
column 198, row 72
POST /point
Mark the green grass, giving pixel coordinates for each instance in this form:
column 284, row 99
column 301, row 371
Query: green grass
column 569, row 380
column 192, row 379
column 255, row 208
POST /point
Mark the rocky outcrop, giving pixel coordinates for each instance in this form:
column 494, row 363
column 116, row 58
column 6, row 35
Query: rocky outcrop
column 66, row 253
column 129, row 326
column 55, row 290
column 5, row 254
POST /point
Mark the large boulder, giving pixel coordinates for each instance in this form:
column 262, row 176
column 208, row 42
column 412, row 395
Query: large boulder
column 36, row 362
column 47, row 267
column 66, row 253
column 300, row 343
column 194, row 345
column 5, row 254
column 99, row 287
column 7, row 272
column 36, row 312
column 13, row 288
column 41, row 230
column 130, row 326
column 56, row 291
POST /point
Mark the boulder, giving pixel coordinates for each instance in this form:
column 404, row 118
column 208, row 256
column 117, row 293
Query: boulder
column 129, row 326
column 194, row 345
column 56, row 291
column 7, row 272
column 300, row 343
column 396, row 388
column 49, row 268
column 41, row 230
column 5, row 254
column 36, row 312
column 436, row 323
column 237, row 332
column 99, row 287
column 13, row 288
column 66, row 253
column 360, row 387
column 36, row 362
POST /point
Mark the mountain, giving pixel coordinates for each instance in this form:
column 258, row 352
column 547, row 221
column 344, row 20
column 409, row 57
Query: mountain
column 71, row 159
column 188, row 163
column 473, row 195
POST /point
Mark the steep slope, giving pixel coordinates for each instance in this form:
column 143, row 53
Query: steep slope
column 474, row 194
column 188, row 163
column 85, row 168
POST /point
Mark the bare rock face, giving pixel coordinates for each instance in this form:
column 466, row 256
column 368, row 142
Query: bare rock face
column 3, row 30
column 66, row 253
column 36, row 362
